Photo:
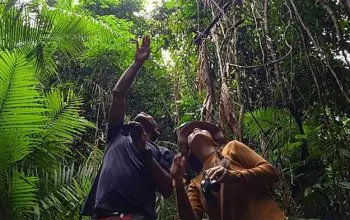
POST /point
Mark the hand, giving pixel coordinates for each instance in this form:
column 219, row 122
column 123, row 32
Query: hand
column 143, row 52
column 221, row 174
column 138, row 135
column 178, row 168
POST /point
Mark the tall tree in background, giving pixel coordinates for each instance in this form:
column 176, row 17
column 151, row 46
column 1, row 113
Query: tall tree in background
column 274, row 73
column 277, row 74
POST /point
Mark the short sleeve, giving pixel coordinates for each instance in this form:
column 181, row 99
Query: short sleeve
column 114, row 130
column 166, row 158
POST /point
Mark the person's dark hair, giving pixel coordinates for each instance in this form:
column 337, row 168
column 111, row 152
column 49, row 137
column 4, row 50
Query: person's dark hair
column 149, row 124
column 135, row 129
column 151, row 129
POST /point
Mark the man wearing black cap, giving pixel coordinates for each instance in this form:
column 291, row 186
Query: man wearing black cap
column 133, row 168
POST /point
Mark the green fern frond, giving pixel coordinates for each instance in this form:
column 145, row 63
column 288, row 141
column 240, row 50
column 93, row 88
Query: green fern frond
column 66, row 187
column 37, row 35
column 63, row 127
column 21, row 117
column 23, row 193
column 271, row 123
column 64, row 113
column 58, row 187
column 21, row 105
column 14, row 147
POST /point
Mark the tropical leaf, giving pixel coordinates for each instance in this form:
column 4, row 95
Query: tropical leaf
column 23, row 193
column 21, row 117
column 64, row 189
column 38, row 33
column 37, row 129
column 60, row 186
column 63, row 127
column 65, row 116
column 21, row 105
column 345, row 185
column 273, row 124
column 13, row 148
column 345, row 153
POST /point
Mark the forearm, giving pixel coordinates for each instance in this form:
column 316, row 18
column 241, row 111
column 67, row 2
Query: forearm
column 161, row 178
column 183, row 203
column 257, row 170
column 126, row 79
column 117, row 109
column 263, row 174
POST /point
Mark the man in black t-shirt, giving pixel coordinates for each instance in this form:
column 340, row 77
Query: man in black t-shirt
column 133, row 168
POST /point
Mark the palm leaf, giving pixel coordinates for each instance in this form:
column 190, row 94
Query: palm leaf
column 38, row 33
column 271, row 123
column 20, row 103
column 21, row 113
column 344, row 185
column 13, row 148
column 64, row 126
column 23, row 193
column 18, row 195
column 66, row 187
column 59, row 183
column 64, row 111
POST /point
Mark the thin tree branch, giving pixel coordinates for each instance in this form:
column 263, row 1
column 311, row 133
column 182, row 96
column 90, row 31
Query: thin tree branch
column 201, row 35
column 319, row 50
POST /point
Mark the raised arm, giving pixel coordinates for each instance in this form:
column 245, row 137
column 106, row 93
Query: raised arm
column 117, row 109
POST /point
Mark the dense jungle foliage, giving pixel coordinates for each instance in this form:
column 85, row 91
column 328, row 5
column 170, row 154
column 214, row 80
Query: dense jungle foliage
column 273, row 74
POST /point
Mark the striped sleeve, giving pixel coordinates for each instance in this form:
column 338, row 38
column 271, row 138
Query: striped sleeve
column 195, row 199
